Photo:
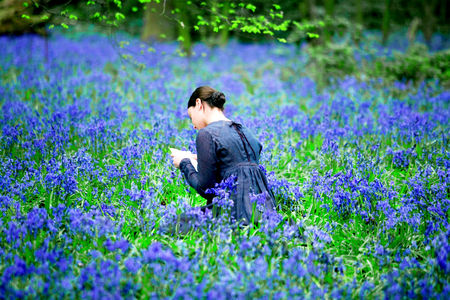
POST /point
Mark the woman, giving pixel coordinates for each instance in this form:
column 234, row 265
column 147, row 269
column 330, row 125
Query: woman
column 224, row 148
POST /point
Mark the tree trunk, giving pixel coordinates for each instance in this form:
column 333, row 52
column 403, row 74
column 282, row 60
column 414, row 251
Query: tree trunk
column 359, row 12
column 312, row 8
column 443, row 10
column 412, row 30
column 329, row 10
column 184, row 28
column 303, row 8
column 156, row 24
column 224, row 33
column 429, row 20
column 12, row 22
column 386, row 20
column 359, row 18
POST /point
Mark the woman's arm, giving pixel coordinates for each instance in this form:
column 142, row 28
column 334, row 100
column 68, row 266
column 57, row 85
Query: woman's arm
column 207, row 165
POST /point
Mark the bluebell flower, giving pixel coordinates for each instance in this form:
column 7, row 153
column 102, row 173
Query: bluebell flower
column 132, row 264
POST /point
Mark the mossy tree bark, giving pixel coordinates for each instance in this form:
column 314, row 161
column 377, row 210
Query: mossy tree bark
column 184, row 28
column 329, row 10
column 386, row 20
column 224, row 33
column 12, row 20
column 429, row 19
column 156, row 24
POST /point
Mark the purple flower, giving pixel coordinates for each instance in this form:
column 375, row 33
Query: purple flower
column 121, row 244
column 133, row 264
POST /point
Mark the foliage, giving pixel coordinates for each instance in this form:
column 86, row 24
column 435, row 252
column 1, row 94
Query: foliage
column 87, row 188
column 338, row 25
column 417, row 64
column 253, row 17
column 17, row 17
column 330, row 61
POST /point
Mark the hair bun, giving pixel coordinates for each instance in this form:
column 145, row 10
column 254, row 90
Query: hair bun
column 218, row 99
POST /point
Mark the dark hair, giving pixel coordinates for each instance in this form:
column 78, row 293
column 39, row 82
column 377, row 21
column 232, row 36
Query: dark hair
column 211, row 96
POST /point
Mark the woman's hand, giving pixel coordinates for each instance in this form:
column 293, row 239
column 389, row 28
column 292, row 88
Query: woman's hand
column 178, row 156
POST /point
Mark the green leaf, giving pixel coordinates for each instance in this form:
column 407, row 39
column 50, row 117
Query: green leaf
column 64, row 25
column 44, row 17
column 312, row 35
column 24, row 16
column 134, row 9
column 118, row 3
column 250, row 29
column 73, row 17
column 250, row 7
column 25, row 4
column 119, row 16
column 276, row 6
column 282, row 40
column 235, row 24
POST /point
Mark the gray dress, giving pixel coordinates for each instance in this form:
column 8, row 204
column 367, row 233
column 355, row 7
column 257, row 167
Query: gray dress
column 226, row 148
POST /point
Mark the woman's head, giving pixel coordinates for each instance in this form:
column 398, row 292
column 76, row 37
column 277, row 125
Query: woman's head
column 209, row 95
column 204, row 101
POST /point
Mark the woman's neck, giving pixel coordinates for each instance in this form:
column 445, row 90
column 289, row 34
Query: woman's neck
column 216, row 115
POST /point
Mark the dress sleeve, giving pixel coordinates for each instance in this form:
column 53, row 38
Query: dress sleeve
column 207, row 165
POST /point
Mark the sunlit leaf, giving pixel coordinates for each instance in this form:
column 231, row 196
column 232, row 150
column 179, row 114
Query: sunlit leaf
column 119, row 16
column 250, row 7
column 312, row 35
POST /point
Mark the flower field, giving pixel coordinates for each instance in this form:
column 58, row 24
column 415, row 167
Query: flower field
column 88, row 191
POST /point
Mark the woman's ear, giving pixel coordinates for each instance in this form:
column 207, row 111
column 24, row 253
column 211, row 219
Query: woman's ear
column 198, row 102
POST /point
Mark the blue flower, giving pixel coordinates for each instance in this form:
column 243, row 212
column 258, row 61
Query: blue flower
column 133, row 264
